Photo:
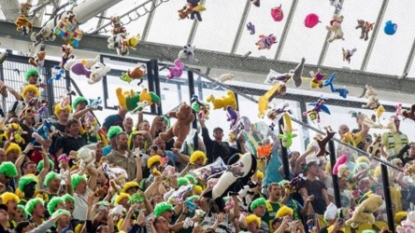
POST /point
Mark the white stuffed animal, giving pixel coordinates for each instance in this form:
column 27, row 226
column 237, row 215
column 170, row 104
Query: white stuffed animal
column 408, row 225
column 86, row 158
column 188, row 54
column 336, row 28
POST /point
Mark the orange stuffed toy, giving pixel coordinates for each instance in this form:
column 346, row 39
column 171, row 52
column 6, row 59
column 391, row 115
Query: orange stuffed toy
column 181, row 127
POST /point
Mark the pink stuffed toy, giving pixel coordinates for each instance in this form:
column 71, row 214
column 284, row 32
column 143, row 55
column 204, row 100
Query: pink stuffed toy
column 340, row 161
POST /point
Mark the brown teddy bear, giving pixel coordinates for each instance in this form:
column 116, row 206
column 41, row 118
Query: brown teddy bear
column 181, row 127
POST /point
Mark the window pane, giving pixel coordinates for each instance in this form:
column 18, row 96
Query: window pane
column 307, row 40
column 218, row 34
column 365, row 10
column 166, row 28
column 264, row 24
column 390, row 52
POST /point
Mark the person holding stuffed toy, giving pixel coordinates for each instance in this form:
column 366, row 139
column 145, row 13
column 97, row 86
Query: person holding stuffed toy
column 394, row 140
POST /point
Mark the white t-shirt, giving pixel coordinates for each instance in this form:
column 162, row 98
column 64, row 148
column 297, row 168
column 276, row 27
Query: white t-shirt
column 81, row 205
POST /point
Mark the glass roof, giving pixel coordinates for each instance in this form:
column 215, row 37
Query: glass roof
column 219, row 30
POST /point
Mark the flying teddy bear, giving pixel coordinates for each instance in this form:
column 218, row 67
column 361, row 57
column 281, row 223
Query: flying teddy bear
column 336, row 28
column 372, row 98
column 364, row 212
column 181, row 127
column 85, row 157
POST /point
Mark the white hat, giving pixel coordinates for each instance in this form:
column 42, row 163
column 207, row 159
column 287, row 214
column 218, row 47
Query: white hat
column 312, row 159
column 331, row 212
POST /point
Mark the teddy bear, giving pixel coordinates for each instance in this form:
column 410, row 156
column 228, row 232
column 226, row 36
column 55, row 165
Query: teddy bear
column 364, row 212
column 372, row 98
column 409, row 113
column 365, row 27
column 336, row 28
column 85, row 157
column 408, row 225
column 375, row 148
column 181, row 127
column 223, row 102
column 39, row 59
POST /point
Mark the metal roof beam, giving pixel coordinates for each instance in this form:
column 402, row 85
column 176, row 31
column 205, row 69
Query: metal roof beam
column 241, row 27
column 375, row 33
column 195, row 25
column 91, row 45
column 409, row 61
column 287, row 26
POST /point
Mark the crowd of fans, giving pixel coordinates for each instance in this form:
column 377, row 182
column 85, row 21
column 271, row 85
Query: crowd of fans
column 136, row 182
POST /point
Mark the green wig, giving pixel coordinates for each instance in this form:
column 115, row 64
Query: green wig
column 78, row 100
column 182, row 181
column 41, row 164
column 283, row 182
column 68, row 197
column 193, row 198
column 49, row 177
column 53, row 203
column 161, row 208
column 61, row 211
column 191, row 178
column 113, row 131
column 8, row 169
column 104, row 203
column 166, row 121
column 26, row 180
column 30, row 72
column 76, row 179
column 258, row 202
column 136, row 198
column 30, row 205
column 25, row 214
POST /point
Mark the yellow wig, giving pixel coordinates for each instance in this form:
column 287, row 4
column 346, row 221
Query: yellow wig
column 14, row 147
column 59, row 108
column 8, row 196
column 284, row 211
column 128, row 185
column 197, row 155
column 253, row 218
column 153, row 159
column 121, row 197
column 130, row 140
column 259, row 175
column 30, row 88
column 362, row 159
column 197, row 190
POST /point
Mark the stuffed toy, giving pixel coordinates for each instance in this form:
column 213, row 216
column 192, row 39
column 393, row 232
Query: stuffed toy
column 63, row 167
column 409, row 113
column 410, row 169
column 372, row 98
column 348, row 54
column 57, row 74
column 94, row 74
column 294, row 74
column 22, row 22
column 39, row 59
column 316, row 79
column 329, row 82
column 336, row 28
column 43, row 131
column 85, row 157
column 256, row 3
column 375, row 147
column 277, row 13
column 200, row 107
column 209, row 170
column 136, row 101
column 365, row 27
column 68, row 30
column 176, row 71
column 340, row 169
column 88, row 63
column 287, row 129
column 265, row 42
column 122, row 43
column 408, row 225
column 176, row 197
column 67, row 55
column 364, row 211
column 278, row 89
column 234, row 179
column 223, row 102
column 14, row 133
column 337, row 4
column 181, row 127
column 276, row 113
column 188, row 54
column 232, row 115
column 47, row 31
column 322, row 142
column 251, row 28
column 319, row 106
column 225, row 77
column 193, row 8
column 137, row 73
